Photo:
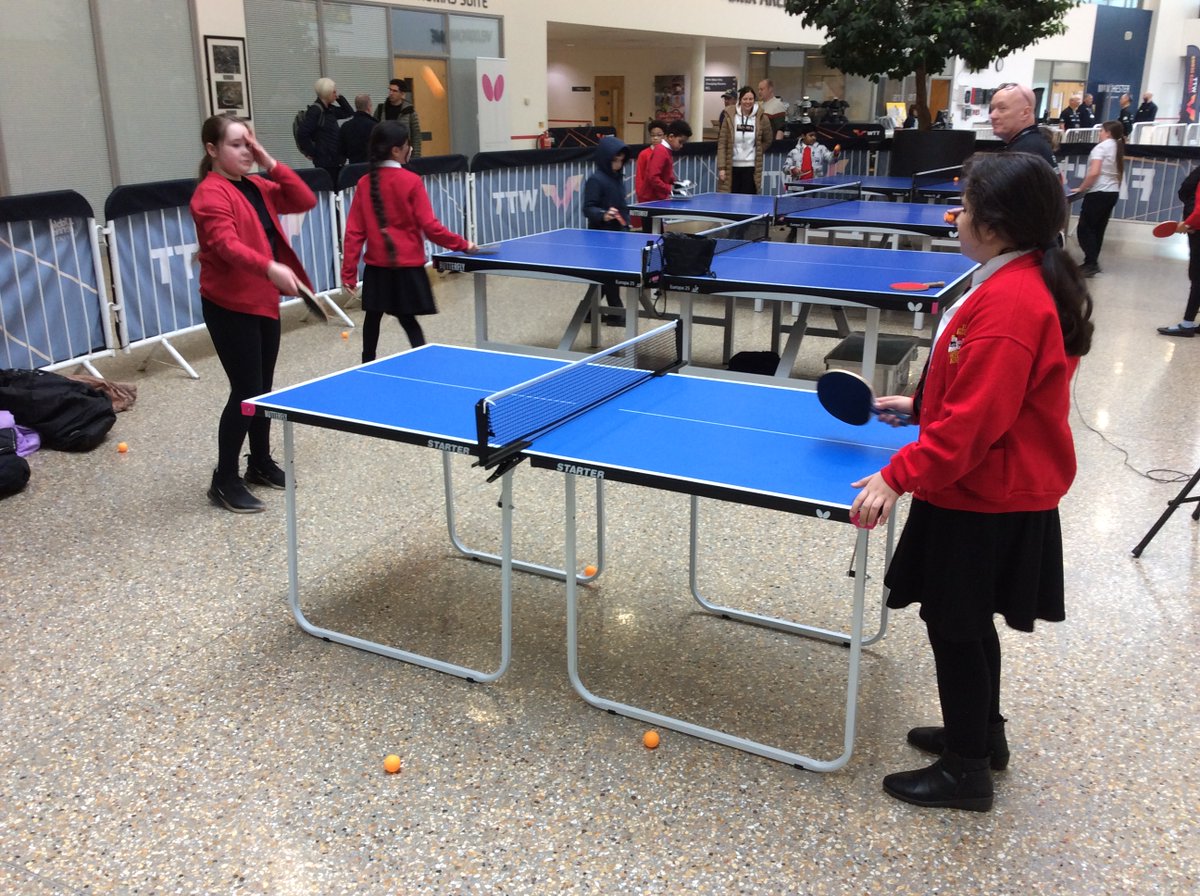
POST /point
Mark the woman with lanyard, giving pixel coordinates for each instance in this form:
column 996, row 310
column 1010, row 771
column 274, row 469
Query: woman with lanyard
column 744, row 138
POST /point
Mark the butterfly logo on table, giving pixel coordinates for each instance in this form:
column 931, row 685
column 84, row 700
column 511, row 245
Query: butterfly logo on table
column 916, row 306
column 822, row 514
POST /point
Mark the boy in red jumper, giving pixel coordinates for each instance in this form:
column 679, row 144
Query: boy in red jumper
column 993, row 459
column 655, row 173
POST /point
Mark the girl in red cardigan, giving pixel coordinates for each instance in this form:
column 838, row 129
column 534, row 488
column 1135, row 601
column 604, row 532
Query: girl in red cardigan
column 391, row 214
column 245, row 265
column 993, row 459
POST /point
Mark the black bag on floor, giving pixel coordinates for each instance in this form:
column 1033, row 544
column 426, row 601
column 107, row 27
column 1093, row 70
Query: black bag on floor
column 14, row 469
column 68, row 415
column 764, row 363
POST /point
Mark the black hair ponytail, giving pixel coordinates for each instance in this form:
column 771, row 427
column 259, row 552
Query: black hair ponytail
column 385, row 136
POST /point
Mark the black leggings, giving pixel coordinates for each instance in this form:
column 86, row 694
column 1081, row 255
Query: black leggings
column 742, row 180
column 1193, row 302
column 968, row 678
column 1093, row 221
column 248, row 345
column 371, row 323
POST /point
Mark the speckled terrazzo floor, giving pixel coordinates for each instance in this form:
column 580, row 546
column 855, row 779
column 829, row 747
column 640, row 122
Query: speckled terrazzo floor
column 167, row 728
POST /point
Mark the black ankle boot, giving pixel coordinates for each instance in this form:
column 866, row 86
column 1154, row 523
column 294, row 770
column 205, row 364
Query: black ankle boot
column 950, row 783
column 933, row 740
column 232, row 494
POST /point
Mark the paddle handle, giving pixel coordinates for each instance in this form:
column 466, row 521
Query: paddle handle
column 905, row 419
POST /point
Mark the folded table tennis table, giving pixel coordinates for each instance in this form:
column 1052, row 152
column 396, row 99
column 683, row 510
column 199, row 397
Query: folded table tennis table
column 753, row 444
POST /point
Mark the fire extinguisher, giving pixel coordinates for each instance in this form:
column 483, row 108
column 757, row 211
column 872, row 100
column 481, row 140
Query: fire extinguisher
column 545, row 141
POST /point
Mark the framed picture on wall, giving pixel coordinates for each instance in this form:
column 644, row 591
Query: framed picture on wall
column 228, row 81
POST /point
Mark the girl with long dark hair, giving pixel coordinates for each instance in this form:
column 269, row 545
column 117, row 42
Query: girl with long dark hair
column 993, row 458
column 392, row 216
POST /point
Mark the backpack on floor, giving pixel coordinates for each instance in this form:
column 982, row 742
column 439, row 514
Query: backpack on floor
column 67, row 415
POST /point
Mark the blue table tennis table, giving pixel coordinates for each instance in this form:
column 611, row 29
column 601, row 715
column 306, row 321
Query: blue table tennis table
column 754, row 444
column 911, row 187
column 706, row 206
column 827, row 275
column 771, row 271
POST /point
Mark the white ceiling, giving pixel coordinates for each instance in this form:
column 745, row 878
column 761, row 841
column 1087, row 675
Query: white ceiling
column 626, row 39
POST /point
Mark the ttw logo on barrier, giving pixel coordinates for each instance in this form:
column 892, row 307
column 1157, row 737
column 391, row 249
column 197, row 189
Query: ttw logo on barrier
column 186, row 251
column 513, row 202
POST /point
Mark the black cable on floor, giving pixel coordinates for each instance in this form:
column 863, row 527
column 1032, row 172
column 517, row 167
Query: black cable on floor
column 1152, row 474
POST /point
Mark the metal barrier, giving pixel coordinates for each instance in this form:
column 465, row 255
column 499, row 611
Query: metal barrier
column 53, row 308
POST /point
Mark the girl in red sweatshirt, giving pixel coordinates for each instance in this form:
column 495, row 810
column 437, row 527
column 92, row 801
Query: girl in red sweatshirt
column 245, row 265
column 993, row 459
column 392, row 216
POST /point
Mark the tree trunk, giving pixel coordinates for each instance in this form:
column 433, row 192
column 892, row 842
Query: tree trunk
column 924, row 117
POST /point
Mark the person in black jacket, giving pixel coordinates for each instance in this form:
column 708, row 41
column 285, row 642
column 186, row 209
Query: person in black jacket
column 1147, row 111
column 605, row 206
column 1125, row 115
column 1187, row 195
column 357, row 131
column 1013, row 121
column 318, row 135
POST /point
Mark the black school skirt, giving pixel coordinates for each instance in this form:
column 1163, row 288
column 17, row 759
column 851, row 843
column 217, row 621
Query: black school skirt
column 397, row 291
column 963, row 567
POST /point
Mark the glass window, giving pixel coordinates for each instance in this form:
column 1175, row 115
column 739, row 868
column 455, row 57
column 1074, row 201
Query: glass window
column 284, row 60
column 472, row 36
column 50, row 67
column 155, row 100
column 418, row 33
column 356, row 47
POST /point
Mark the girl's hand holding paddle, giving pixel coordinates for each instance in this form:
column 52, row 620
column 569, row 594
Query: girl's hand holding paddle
column 284, row 279
column 894, row 410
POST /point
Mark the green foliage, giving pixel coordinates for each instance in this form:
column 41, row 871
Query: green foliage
column 895, row 38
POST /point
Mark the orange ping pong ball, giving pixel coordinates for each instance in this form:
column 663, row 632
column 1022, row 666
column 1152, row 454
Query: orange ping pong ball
column 345, row 335
column 391, row 763
column 589, row 570
column 122, row 447
column 650, row 740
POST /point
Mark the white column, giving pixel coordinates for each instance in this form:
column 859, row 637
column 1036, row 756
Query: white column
column 696, row 100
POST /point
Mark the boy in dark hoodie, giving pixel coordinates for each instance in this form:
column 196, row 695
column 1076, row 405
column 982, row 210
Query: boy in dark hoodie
column 605, row 206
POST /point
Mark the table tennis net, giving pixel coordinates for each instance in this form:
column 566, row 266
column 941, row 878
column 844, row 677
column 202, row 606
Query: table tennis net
column 509, row 421
column 803, row 200
column 659, row 258
column 933, row 178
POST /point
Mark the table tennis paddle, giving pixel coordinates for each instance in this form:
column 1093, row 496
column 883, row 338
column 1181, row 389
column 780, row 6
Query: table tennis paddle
column 620, row 219
column 485, row 250
column 850, row 398
column 311, row 303
column 916, row 286
column 1166, row 228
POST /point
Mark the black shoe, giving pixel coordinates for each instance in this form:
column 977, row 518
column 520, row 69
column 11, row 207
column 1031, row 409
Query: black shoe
column 613, row 320
column 232, row 494
column 1179, row 330
column 950, row 783
column 264, row 471
column 933, row 740
column 1089, row 270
